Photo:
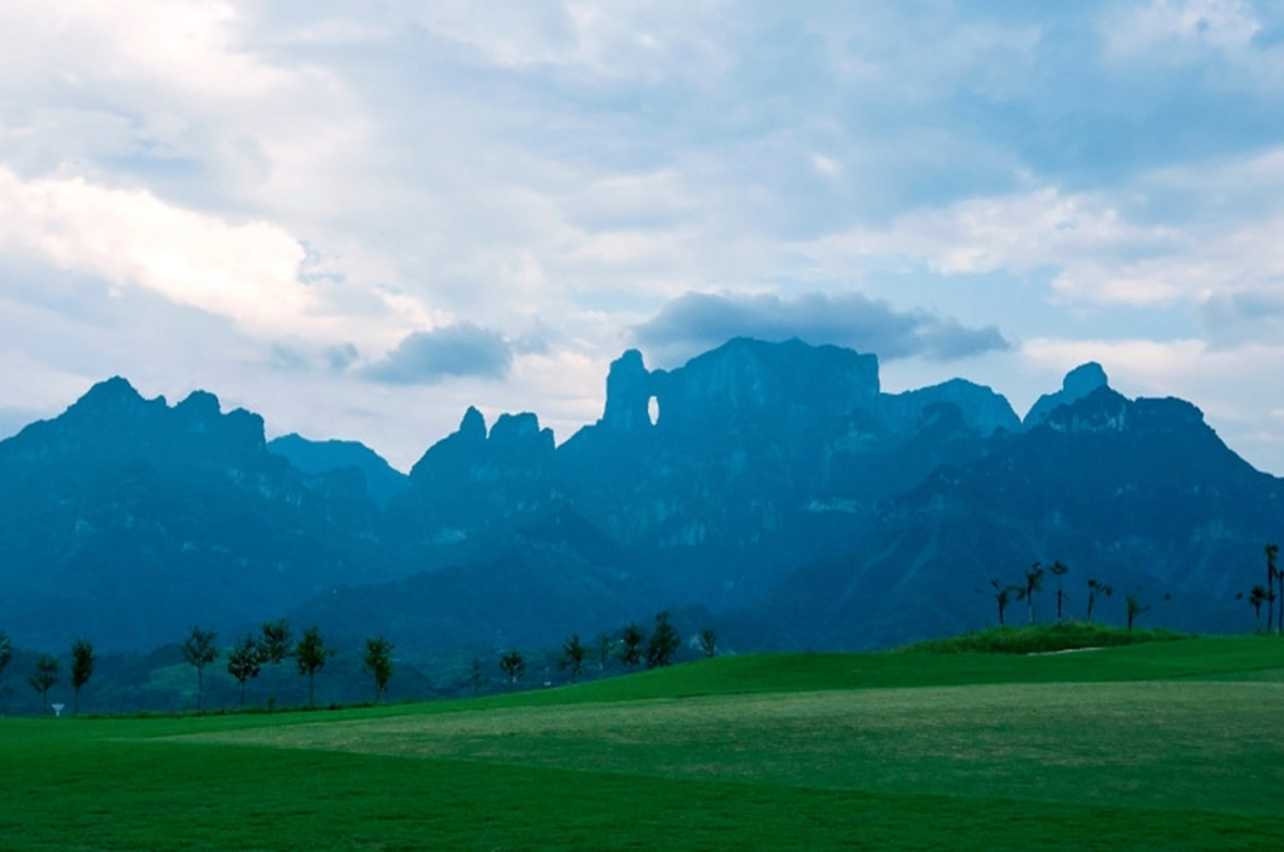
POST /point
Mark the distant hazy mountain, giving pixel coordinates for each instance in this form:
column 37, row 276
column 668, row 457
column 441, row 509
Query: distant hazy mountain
column 777, row 489
column 318, row 458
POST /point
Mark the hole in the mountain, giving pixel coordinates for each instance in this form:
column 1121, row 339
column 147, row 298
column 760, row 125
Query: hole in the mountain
column 653, row 410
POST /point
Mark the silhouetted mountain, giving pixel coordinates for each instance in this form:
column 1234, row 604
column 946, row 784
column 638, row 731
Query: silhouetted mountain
column 128, row 521
column 772, row 486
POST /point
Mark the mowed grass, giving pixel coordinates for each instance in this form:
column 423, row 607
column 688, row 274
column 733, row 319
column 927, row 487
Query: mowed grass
column 1171, row 746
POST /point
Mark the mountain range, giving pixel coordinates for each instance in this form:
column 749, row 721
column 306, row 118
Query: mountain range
column 769, row 490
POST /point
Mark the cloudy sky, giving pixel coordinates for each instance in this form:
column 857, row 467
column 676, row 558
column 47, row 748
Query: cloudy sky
column 358, row 219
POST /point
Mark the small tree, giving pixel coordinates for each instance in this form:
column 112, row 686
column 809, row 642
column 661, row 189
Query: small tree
column 603, row 645
column 6, row 655
column 476, row 678
column 44, row 677
column 631, row 639
column 709, row 642
column 275, row 644
column 311, row 655
column 1059, row 570
column 245, row 661
column 573, row 653
column 82, row 668
column 1033, row 583
column 1097, row 588
column 1135, row 609
column 513, row 665
column 663, row 644
column 378, row 662
column 1256, row 598
column 199, row 651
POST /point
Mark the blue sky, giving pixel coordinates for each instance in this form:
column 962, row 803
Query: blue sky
column 357, row 220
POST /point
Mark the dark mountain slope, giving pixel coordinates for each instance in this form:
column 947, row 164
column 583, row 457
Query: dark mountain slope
column 128, row 520
column 1139, row 494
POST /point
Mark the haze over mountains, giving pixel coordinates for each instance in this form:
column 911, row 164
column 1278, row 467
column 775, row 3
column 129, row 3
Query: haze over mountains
column 777, row 492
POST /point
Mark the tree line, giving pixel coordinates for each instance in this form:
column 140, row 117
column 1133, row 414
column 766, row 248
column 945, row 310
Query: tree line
column 632, row 647
column 1032, row 581
column 274, row 645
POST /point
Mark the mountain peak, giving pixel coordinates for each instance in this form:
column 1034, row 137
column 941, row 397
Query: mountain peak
column 1084, row 379
column 113, row 393
column 1077, row 384
column 472, row 428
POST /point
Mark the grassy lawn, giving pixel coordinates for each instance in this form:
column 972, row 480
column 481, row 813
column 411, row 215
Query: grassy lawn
column 1174, row 745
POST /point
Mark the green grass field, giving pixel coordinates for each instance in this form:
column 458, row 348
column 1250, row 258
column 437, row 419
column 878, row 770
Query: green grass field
column 1173, row 745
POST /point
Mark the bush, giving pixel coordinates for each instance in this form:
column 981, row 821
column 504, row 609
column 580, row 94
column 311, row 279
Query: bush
column 1042, row 639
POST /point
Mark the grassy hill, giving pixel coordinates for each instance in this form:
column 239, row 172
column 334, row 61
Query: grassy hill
column 1168, row 745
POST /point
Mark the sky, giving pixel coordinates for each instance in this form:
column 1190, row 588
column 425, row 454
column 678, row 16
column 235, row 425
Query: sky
column 359, row 219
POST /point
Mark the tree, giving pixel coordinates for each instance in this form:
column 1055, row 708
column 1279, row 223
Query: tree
column 631, row 639
column 573, row 653
column 44, row 677
column 82, row 668
column 311, row 655
column 1059, row 570
column 663, row 644
column 378, row 662
column 1097, row 588
column 603, row 645
column 1272, row 574
column 1256, row 598
column 1135, row 608
column 245, row 661
column 1003, row 596
column 275, row 644
column 476, row 678
column 199, row 651
column 1033, row 583
column 6, row 655
column 513, row 665
column 709, row 642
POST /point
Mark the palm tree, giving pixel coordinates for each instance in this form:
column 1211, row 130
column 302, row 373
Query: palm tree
column 1033, row 583
column 1134, row 608
column 1059, row 570
column 1003, row 596
column 573, row 654
column 1272, row 551
column 1095, row 588
column 1256, row 598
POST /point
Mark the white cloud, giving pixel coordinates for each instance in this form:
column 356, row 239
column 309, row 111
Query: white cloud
column 561, row 170
column 246, row 272
column 1218, row 237
column 1168, row 25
